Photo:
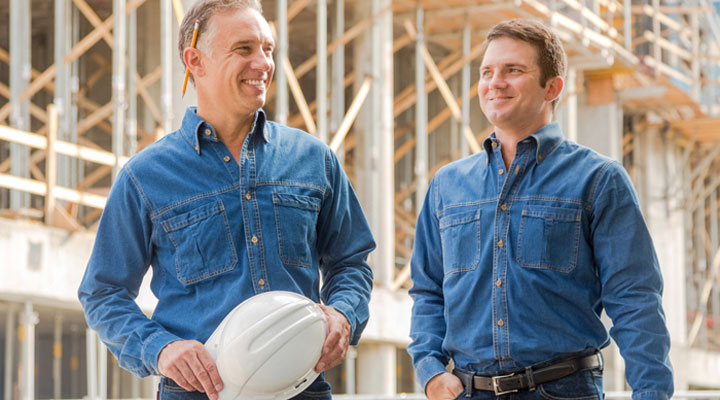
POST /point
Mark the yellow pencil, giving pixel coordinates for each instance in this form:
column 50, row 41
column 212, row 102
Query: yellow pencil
column 194, row 39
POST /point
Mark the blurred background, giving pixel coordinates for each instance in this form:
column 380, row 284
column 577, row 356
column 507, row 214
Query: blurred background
column 391, row 86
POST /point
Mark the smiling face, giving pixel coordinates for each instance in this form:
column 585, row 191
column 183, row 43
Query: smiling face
column 509, row 90
column 237, row 64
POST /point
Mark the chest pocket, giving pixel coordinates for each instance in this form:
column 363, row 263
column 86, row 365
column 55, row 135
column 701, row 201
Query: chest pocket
column 203, row 243
column 548, row 238
column 296, row 220
column 460, row 238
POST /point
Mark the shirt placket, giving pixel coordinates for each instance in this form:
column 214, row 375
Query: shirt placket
column 505, row 187
column 251, row 217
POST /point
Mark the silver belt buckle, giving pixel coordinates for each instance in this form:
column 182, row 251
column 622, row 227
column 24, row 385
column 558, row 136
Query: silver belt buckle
column 496, row 386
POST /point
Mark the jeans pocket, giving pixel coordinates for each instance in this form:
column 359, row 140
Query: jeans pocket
column 296, row 220
column 583, row 385
column 318, row 390
column 203, row 242
column 169, row 390
column 549, row 238
column 460, row 240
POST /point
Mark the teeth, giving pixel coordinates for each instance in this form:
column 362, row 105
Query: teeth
column 255, row 82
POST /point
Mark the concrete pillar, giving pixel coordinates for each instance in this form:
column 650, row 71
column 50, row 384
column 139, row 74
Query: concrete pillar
column 602, row 127
column 321, row 71
column 421, row 114
column 92, row 367
column 281, row 51
column 349, row 367
column 375, row 178
column 28, row 320
column 376, row 369
column 665, row 221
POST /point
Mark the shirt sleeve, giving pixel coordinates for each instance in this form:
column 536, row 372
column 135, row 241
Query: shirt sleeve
column 427, row 327
column 119, row 260
column 631, row 284
column 344, row 243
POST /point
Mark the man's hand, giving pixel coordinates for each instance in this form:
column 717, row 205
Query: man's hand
column 337, row 341
column 188, row 364
column 445, row 386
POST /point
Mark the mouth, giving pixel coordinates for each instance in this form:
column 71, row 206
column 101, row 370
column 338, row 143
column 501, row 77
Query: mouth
column 255, row 82
column 500, row 98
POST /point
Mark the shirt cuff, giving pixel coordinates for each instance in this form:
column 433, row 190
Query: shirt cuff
column 152, row 348
column 427, row 369
column 649, row 395
column 349, row 314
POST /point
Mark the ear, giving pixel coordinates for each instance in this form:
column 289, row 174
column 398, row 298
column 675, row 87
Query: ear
column 194, row 62
column 554, row 88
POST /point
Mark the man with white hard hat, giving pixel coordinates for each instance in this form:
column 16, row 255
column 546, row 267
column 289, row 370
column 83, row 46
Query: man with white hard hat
column 227, row 207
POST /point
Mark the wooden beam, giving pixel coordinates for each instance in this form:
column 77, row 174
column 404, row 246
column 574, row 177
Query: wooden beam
column 39, row 188
column 68, row 149
column 178, row 8
column 299, row 97
column 444, row 90
column 351, row 114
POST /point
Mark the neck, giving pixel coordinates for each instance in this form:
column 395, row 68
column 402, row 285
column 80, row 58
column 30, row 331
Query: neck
column 510, row 137
column 230, row 128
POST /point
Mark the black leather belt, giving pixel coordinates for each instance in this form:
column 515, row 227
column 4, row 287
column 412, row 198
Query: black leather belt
column 529, row 378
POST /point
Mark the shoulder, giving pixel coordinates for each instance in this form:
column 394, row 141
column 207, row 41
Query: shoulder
column 289, row 136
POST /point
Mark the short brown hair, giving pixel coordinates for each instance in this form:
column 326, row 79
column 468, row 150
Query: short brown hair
column 201, row 11
column 551, row 56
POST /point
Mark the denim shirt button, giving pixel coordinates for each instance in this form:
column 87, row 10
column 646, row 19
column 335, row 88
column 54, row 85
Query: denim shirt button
column 254, row 239
column 501, row 244
column 226, row 158
column 248, row 196
column 503, row 207
column 261, row 282
column 208, row 132
column 498, row 283
column 502, row 171
column 501, row 323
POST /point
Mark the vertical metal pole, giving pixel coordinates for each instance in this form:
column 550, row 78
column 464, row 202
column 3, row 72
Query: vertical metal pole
column 166, row 61
column 20, row 67
column 92, row 368
column 9, row 352
column 281, row 98
column 421, row 134
column 118, row 79
column 627, row 24
column 337, row 97
column 321, row 70
column 465, row 89
column 102, row 369
column 657, row 51
column 381, row 150
column 715, row 245
column 61, row 86
column 77, row 168
column 695, row 64
column 57, row 356
column 702, row 262
column 28, row 319
column 132, row 87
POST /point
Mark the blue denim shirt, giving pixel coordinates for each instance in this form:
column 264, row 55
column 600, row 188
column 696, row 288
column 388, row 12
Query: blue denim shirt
column 217, row 233
column 514, row 267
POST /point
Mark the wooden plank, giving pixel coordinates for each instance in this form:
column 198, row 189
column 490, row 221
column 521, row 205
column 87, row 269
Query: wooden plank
column 444, row 90
column 299, row 97
column 351, row 114
column 39, row 188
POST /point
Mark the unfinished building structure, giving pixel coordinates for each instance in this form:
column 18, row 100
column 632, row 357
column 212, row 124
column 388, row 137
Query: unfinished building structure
column 390, row 85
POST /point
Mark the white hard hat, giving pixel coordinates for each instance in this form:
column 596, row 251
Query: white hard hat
column 267, row 346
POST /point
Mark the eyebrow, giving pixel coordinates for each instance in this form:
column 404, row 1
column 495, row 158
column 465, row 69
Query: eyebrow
column 251, row 42
column 507, row 65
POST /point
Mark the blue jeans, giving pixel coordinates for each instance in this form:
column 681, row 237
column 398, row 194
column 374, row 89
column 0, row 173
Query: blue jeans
column 169, row 390
column 582, row 385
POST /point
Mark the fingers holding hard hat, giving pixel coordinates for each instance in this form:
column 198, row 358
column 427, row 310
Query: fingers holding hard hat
column 337, row 341
column 186, row 363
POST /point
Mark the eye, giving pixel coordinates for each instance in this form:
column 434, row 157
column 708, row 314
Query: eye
column 486, row 73
column 515, row 70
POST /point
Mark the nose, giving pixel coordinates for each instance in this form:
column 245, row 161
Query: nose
column 263, row 61
column 497, row 80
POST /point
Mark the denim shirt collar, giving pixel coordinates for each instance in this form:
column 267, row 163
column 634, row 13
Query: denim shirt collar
column 193, row 128
column 546, row 139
